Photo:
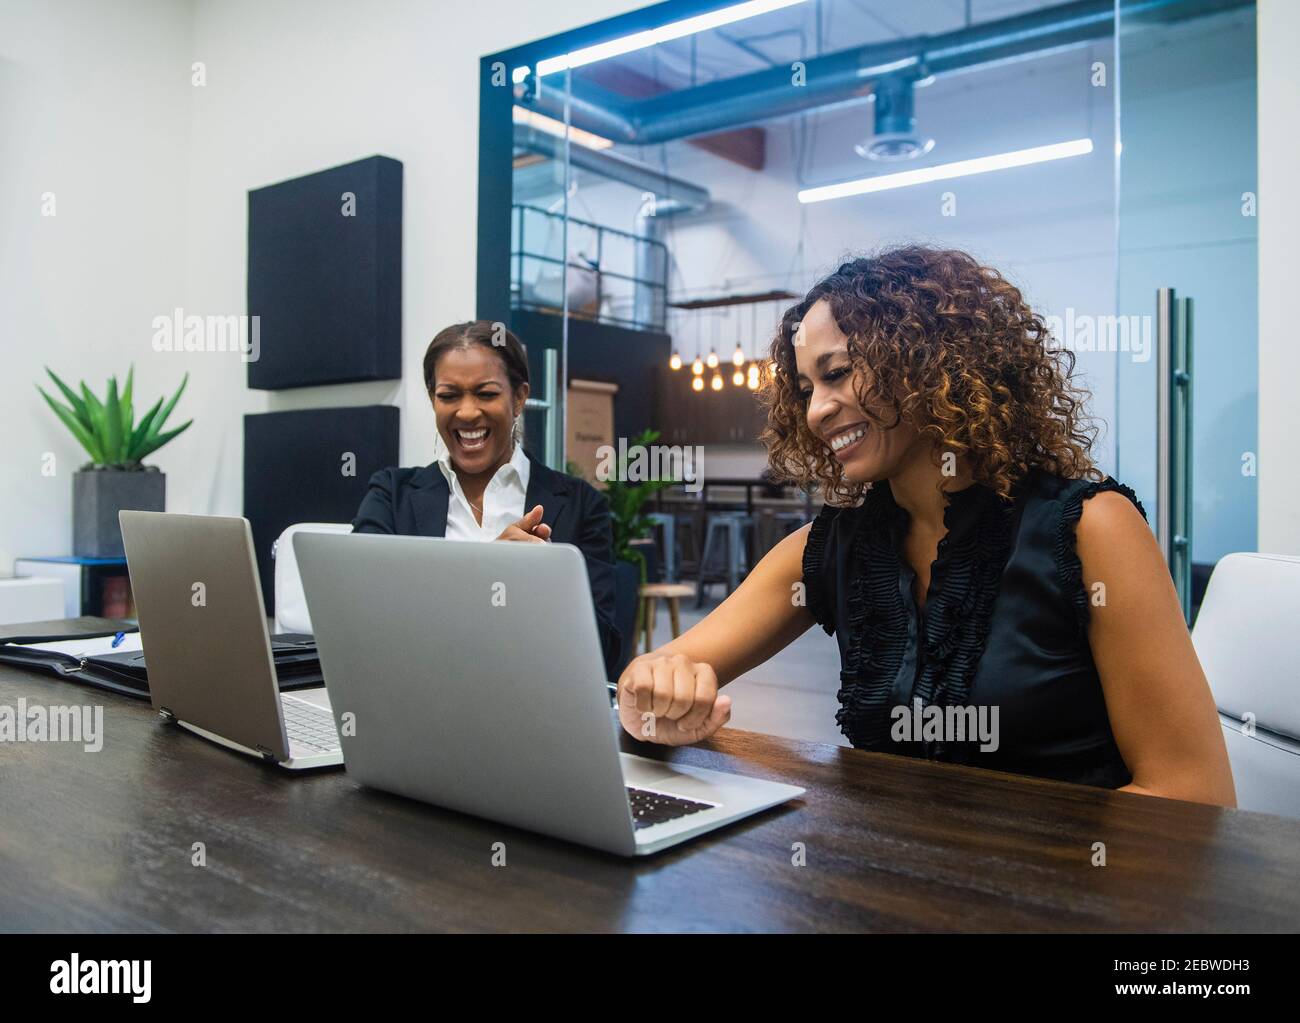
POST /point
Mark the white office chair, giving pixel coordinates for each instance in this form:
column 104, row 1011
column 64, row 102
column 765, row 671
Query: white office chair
column 290, row 603
column 1245, row 636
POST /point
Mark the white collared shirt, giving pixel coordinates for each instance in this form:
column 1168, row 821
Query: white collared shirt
column 503, row 499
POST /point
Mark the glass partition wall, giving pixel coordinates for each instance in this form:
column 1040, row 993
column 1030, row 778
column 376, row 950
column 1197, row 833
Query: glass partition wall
column 677, row 175
column 1187, row 283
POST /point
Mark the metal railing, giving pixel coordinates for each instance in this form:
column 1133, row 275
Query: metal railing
column 593, row 274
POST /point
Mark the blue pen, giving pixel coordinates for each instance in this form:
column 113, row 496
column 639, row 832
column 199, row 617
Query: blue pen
column 117, row 640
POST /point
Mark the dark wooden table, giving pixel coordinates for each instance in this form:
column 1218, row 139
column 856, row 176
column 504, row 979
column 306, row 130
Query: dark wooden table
column 105, row 842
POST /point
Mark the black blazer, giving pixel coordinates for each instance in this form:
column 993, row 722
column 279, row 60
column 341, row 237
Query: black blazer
column 413, row 502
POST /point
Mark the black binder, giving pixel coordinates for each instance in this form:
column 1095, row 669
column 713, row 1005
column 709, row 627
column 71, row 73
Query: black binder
column 297, row 665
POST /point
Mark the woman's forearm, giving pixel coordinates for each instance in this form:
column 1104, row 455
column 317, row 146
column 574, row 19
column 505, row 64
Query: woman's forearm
column 759, row 619
column 1199, row 790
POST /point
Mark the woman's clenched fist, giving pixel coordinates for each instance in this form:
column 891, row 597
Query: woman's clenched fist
column 671, row 699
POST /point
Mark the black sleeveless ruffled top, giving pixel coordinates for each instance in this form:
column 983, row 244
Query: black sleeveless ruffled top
column 1004, row 625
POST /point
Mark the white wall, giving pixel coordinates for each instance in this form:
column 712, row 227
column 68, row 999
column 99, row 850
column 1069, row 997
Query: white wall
column 1279, row 269
column 151, row 177
column 93, row 107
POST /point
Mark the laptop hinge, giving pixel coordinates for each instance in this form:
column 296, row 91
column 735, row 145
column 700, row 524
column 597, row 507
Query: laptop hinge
column 267, row 754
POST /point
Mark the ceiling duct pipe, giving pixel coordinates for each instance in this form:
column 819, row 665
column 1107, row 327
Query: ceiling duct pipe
column 592, row 108
column 849, row 75
column 649, row 304
column 672, row 195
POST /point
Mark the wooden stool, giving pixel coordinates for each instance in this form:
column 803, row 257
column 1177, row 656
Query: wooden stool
column 672, row 593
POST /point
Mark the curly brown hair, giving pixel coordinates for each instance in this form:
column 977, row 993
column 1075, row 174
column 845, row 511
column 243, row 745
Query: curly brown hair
column 953, row 347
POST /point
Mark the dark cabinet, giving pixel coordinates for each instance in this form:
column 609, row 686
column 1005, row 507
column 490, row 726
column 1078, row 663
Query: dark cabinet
column 730, row 416
column 676, row 407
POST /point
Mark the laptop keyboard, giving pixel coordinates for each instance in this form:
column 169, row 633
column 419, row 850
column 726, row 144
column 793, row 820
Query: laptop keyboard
column 650, row 808
column 310, row 728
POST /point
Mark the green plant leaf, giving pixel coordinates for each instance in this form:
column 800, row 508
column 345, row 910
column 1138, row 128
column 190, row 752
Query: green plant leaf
column 94, row 410
column 113, row 425
column 167, row 409
column 128, row 413
column 626, row 501
column 107, row 429
column 78, row 406
column 84, row 437
column 154, row 442
column 141, row 432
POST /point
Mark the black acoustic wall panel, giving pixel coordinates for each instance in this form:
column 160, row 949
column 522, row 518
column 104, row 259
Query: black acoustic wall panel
column 325, row 276
column 310, row 466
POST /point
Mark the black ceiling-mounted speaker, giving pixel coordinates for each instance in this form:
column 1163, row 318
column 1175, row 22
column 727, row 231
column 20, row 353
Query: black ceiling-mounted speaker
column 325, row 277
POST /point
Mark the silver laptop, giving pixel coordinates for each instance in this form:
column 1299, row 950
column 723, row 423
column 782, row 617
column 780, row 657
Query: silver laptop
column 469, row 675
column 206, row 646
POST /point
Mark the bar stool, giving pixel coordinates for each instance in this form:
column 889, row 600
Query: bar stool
column 649, row 552
column 671, row 593
column 686, row 541
column 771, row 527
column 724, row 543
column 667, row 530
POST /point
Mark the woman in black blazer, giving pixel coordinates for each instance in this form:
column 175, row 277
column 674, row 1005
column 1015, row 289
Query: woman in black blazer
column 485, row 486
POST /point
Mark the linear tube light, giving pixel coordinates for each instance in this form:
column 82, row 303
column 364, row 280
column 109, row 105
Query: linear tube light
column 655, row 36
column 549, row 125
column 944, row 171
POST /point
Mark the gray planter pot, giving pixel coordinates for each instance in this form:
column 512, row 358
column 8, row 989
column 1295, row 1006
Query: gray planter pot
column 99, row 494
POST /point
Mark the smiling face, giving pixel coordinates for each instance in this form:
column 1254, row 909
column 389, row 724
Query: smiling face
column 474, row 407
column 829, row 385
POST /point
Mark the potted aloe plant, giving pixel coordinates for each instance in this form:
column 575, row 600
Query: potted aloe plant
column 115, row 477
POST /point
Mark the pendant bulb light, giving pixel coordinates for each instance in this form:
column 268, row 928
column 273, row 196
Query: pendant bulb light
column 716, row 383
column 676, row 361
column 697, row 383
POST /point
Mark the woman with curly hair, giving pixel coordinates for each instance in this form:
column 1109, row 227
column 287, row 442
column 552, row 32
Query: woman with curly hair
column 971, row 561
